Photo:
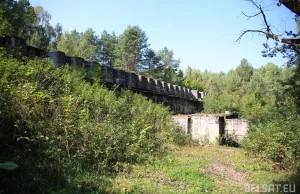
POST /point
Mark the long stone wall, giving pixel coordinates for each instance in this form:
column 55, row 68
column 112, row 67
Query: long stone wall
column 179, row 99
column 207, row 129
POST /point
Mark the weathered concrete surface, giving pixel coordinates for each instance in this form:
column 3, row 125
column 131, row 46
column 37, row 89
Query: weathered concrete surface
column 207, row 129
column 57, row 57
column 183, row 122
column 237, row 129
column 177, row 105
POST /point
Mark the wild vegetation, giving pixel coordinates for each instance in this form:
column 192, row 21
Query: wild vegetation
column 207, row 169
column 55, row 125
column 267, row 96
column 67, row 135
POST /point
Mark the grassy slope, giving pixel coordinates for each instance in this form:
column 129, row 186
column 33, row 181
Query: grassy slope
column 208, row 169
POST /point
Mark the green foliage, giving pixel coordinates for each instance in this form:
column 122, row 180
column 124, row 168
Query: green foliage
column 245, row 70
column 255, row 99
column 8, row 166
column 177, row 136
column 84, row 45
column 56, row 33
column 221, row 103
column 131, row 48
column 4, row 27
column 167, row 60
column 17, row 18
column 56, row 126
column 40, row 38
column 192, row 84
column 277, row 139
column 43, row 31
column 167, row 67
column 193, row 79
column 108, row 45
column 151, row 63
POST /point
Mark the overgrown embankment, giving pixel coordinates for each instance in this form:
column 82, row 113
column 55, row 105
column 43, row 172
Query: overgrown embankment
column 61, row 129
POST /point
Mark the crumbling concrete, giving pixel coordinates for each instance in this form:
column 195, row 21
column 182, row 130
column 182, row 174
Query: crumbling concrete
column 207, row 129
column 237, row 129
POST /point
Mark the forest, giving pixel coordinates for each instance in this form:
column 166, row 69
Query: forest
column 69, row 135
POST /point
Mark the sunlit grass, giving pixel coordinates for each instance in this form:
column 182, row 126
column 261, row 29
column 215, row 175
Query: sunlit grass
column 188, row 170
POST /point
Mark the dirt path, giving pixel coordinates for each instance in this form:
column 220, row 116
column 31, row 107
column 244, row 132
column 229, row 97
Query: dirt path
column 201, row 169
column 222, row 167
column 228, row 175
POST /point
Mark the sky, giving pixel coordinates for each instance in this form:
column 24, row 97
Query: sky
column 200, row 33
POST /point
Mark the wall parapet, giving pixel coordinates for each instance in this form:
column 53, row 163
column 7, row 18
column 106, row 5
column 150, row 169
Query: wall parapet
column 184, row 96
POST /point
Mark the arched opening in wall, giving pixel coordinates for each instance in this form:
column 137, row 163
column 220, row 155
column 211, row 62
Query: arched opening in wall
column 189, row 127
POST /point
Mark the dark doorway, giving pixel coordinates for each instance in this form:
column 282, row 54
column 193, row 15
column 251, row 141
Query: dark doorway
column 189, row 127
column 221, row 126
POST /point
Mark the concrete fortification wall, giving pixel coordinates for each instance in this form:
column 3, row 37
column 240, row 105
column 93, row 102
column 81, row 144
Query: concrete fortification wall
column 179, row 99
column 207, row 129
column 237, row 128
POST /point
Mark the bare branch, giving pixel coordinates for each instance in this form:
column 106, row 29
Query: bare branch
column 245, row 32
column 265, row 20
column 267, row 31
column 250, row 16
column 272, row 36
column 263, row 14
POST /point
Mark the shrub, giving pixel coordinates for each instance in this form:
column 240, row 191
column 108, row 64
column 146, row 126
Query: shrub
column 55, row 125
column 277, row 139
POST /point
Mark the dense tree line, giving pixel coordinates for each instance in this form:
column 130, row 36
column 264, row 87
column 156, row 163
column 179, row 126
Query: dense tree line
column 128, row 51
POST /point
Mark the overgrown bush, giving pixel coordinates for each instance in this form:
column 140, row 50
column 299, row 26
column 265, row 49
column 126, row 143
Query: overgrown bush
column 55, row 125
column 277, row 139
column 178, row 136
